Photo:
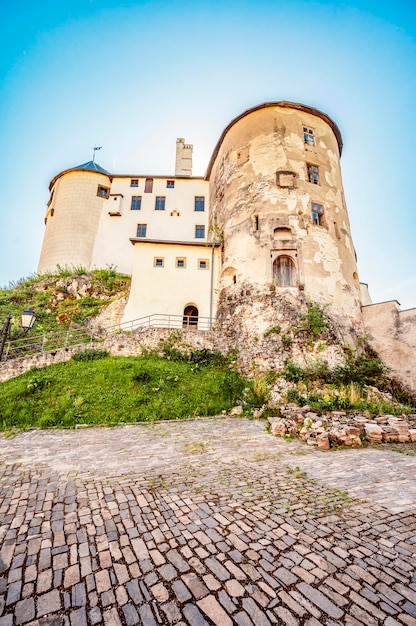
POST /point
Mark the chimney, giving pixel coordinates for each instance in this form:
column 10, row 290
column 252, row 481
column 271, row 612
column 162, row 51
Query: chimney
column 183, row 166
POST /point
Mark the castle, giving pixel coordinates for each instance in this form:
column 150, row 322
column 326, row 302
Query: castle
column 263, row 232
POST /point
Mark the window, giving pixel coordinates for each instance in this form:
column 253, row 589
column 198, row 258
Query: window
column 159, row 262
column 199, row 232
column 313, row 173
column 203, row 264
column 199, row 203
column 190, row 316
column 308, row 136
column 134, row 182
column 148, row 185
column 180, row 262
column 136, row 203
column 103, row 192
column 286, row 178
column 170, row 184
column 160, row 203
column 317, row 214
column 284, row 272
column 141, row 230
column 256, row 222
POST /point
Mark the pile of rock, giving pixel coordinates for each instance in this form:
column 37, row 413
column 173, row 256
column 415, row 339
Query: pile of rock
column 339, row 429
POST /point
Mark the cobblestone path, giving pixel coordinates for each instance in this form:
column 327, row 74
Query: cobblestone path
column 200, row 523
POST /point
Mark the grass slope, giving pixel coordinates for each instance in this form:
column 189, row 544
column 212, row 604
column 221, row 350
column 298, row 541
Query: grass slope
column 120, row 389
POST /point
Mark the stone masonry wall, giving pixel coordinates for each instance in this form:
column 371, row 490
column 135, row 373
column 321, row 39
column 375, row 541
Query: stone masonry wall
column 392, row 334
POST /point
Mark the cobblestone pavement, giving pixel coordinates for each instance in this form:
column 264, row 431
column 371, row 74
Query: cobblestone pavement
column 204, row 522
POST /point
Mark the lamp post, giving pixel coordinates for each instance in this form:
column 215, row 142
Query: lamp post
column 27, row 319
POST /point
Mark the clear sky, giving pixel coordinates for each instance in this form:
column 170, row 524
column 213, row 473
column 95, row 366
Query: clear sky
column 132, row 76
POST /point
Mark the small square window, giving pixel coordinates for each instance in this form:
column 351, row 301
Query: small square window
column 313, row 173
column 170, row 184
column 317, row 214
column 159, row 262
column 199, row 231
column 308, row 136
column 199, row 203
column 160, row 203
column 134, row 182
column 180, row 262
column 141, row 230
column 203, row 264
column 103, row 192
column 136, row 203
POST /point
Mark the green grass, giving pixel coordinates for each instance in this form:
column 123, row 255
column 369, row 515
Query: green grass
column 111, row 390
column 55, row 308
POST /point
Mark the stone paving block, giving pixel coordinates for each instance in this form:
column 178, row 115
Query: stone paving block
column 78, row 617
column 147, row 616
column 48, row 603
column 25, row 611
column 193, row 615
column 111, row 617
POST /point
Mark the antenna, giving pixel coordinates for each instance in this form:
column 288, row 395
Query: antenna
column 95, row 148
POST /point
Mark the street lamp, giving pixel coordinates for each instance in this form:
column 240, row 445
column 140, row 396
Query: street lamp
column 27, row 319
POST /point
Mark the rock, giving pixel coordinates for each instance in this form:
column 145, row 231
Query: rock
column 323, row 441
column 381, row 419
column 412, row 434
column 390, row 434
column 401, row 426
column 278, row 428
column 237, row 410
column 373, row 432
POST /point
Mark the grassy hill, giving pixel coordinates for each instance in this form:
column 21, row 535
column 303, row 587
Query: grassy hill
column 95, row 388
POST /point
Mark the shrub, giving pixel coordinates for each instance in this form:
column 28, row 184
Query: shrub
column 314, row 321
column 272, row 329
column 90, row 354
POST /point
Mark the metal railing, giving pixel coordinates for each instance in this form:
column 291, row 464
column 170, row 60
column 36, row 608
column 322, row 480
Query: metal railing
column 50, row 342
column 161, row 320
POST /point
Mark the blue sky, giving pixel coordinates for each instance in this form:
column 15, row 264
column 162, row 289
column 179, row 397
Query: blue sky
column 133, row 76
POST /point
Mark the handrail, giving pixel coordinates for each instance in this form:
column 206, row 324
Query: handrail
column 56, row 340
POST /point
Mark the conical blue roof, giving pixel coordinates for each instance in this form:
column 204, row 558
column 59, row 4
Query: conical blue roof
column 92, row 166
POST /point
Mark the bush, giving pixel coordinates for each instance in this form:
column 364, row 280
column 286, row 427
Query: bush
column 314, row 321
column 90, row 354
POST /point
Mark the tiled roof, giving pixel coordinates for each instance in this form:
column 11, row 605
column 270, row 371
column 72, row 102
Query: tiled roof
column 91, row 165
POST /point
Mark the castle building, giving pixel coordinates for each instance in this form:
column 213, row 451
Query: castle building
column 263, row 232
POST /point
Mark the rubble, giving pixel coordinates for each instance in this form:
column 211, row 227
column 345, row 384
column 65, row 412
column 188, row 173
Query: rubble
column 337, row 428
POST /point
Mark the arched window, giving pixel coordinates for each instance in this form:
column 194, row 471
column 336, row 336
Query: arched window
column 190, row 316
column 284, row 272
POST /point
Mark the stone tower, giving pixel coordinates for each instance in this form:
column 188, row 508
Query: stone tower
column 72, row 216
column 278, row 207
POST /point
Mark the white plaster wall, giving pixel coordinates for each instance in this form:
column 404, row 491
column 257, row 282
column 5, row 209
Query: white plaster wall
column 168, row 289
column 112, row 244
column 70, row 233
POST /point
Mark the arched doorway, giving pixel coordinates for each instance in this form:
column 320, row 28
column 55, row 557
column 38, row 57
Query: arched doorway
column 190, row 316
column 284, row 272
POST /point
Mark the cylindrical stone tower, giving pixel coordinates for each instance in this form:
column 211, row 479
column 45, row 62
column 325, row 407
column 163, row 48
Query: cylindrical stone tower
column 278, row 206
column 72, row 216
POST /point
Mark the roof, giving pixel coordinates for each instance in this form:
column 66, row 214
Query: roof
column 92, row 166
column 89, row 166
column 284, row 105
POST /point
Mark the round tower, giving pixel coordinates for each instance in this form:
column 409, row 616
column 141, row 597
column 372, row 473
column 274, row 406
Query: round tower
column 72, row 216
column 278, row 207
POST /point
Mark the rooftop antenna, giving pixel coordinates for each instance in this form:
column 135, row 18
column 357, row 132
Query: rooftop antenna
column 95, row 148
